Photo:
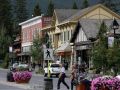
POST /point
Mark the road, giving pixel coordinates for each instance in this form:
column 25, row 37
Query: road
column 35, row 82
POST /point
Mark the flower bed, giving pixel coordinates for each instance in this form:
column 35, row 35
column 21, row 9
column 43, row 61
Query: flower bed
column 106, row 83
column 22, row 76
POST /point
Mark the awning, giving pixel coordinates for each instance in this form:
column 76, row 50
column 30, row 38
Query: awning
column 24, row 54
column 65, row 47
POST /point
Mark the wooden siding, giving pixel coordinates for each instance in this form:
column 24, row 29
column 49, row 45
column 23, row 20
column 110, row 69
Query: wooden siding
column 81, row 36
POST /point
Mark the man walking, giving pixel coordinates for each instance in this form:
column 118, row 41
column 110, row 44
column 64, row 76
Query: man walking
column 62, row 77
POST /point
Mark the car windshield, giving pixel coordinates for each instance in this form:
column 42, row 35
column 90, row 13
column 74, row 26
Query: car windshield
column 55, row 65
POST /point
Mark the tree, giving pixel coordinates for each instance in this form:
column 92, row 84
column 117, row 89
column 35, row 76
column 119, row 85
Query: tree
column 85, row 4
column 37, row 49
column 21, row 10
column 5, row 41
column 37, row 10
column 114, row 57
column 75, row 5
column 6, row 16
column 100, row 48
column 50, row 8
column 21, row 14
column 111, row 4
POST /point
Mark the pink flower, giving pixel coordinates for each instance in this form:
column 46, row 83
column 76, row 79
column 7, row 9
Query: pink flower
column 22, row 75
column 108, row 82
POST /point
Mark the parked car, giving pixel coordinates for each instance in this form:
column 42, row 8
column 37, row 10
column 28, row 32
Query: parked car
column 54, row 70
column 18, row 65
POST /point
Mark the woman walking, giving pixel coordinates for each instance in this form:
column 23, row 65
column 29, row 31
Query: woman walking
column 73, row 75
column 62, row 77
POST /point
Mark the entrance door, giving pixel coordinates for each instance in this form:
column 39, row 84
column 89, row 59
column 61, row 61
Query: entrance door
column 83, row 55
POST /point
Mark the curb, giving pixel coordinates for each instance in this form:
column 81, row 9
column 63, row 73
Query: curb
column 4, row 69
column 22, row 86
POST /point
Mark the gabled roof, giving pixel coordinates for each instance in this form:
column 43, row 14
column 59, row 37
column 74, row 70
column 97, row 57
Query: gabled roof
column 63, row 14
column 91, row 8
column 91, row 28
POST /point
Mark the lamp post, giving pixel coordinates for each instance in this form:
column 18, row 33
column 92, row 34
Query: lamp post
column 115, row 26
column 48, row 82
column 11, row 54
column 72, row 54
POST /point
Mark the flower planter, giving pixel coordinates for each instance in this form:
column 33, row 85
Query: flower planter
column 105, row 83
column 22, row 76
column 22, row 81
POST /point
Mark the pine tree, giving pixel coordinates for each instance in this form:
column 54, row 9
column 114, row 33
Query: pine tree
column 6, row 16
column 5, row 41
column 37, row 10
column 50, row 8
column 21, row 10
column 85, row 4
column 111, row 4
column 75, row 5
column 100, row 48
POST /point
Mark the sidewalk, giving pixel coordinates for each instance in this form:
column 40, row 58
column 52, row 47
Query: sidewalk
column 21, row 86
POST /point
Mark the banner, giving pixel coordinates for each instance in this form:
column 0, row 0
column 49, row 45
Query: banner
column 110, row 41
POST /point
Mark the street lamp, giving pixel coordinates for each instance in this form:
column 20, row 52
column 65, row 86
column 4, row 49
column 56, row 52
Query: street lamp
column 115, row 26
column 47, row 40
column 72, row 54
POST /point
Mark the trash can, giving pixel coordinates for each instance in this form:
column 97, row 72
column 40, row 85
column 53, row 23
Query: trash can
column 10, row 77
column 48, row 84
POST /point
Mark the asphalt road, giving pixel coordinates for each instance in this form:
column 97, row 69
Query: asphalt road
column 35, row 82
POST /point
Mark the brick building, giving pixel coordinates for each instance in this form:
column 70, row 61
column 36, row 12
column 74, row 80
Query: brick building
column 29, row 29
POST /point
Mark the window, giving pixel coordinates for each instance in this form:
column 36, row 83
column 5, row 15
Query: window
column 26, row 49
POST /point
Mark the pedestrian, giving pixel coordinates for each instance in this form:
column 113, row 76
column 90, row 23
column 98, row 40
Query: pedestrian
column 62, row 76
column 73, row 75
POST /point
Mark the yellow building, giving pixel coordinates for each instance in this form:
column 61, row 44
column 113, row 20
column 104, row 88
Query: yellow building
column 64, row 22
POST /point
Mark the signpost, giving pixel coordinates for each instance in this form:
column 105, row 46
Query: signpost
column 48, row 55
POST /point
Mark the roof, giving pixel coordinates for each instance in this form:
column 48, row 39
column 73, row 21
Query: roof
column 65, row 15
column 29, row 20
column 80, row 12
column 91, row 27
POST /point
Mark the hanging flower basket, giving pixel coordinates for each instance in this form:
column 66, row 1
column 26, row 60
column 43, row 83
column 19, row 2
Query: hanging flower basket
column 22, row 76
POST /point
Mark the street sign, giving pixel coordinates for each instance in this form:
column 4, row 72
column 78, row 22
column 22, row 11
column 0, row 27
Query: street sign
column 48, row 54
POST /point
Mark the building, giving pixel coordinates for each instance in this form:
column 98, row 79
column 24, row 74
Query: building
column 29, row 30
column 15, row 50
column 63, row 28
column 85, row 35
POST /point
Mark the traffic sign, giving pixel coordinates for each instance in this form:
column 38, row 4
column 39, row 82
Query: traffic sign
column 48, row 54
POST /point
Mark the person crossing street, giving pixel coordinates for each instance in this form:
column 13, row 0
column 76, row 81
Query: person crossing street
column 62, row 77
